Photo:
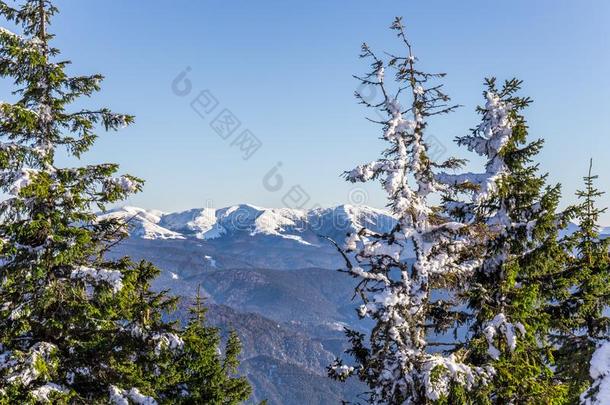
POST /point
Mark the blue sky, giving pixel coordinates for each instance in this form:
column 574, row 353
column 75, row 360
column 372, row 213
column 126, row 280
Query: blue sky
column 283, row 68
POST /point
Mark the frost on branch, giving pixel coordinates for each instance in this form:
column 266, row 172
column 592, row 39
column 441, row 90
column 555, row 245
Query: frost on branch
column 599, row 371
column 122, row 184
column 340, row 371
column 500, row 326
column 113, row 278
column 42, row 393
column 161, row 340
column 441, row 371
column 24, row 367
column 121, row 397
column 22, row 180
column 395, row 360
column 169, row 341
column 487, row 140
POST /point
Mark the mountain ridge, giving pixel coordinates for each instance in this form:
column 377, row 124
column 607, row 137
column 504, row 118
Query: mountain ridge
column 210, row 223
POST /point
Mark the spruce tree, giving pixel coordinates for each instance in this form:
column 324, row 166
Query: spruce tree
column 507, row 293
column 202, row 370
column 577, row 309
column 75, row 326
column 396, row 359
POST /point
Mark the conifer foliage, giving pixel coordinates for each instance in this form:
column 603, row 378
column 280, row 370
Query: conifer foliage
column 76, row 327
column 395, row 360
column 507, row 294
column 581, row 326
column 208, row 377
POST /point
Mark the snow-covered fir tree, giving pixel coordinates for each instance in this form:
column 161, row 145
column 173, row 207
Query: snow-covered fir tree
column 580, row 325
column 396, row 360
column 76, row 327
column 507, row 293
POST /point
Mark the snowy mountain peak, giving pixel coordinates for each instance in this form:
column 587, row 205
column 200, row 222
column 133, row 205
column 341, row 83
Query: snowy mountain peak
column 143, row 223
column 199, row 222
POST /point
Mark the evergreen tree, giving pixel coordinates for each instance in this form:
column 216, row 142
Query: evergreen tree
column 577, row 309
column 395, row 360
column 202, row 372
column 75, row 326
column 507, row 293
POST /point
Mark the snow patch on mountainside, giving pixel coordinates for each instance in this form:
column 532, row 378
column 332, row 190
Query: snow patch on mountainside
column 143, row 223
column 210, row 260
column 201, row 223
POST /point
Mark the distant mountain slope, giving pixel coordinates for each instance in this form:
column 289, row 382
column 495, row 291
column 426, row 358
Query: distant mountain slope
column 283, row 384
column 311, row 296
column 261, row 336
column 283, row 364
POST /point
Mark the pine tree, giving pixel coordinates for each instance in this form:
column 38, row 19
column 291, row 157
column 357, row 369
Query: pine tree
column 395, row 360
column 75, row 326
column 582, row 293
column 202, row 372
column 507, row 293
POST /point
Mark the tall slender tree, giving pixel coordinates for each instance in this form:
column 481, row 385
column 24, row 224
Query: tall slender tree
column 577, row 309
column 395, row 360
column 75, row 327
column 507, row 293
column 203, row 374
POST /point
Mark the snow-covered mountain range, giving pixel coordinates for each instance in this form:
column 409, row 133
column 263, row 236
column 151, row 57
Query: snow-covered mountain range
column 301, row 226
column 245, row 219
column 249, row 236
